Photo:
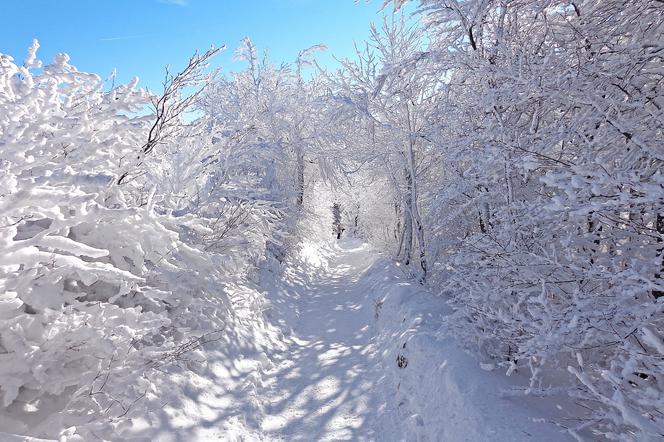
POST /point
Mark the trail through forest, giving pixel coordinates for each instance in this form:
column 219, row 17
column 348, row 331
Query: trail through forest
column 318, row 376
column 339, row 323
column 180, row 264
column 327, row 385
column 368, row 357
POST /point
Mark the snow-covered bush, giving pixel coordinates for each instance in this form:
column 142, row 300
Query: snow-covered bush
column 536, row 154
column 103, row 283
column 551, row 119
column 267, row 128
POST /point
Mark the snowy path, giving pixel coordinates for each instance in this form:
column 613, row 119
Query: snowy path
column 327, row 385
column 310, row 373
column 323, row 367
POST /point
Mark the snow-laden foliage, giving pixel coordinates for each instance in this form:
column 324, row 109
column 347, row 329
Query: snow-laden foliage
column 538, row 170
column 390, row 105
column 264, row 115
column 115, row 257
column 508, row 152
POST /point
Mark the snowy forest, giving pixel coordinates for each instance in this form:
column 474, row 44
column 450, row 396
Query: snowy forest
column 455, row 235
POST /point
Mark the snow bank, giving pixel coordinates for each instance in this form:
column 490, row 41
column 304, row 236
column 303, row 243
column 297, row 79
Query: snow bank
column 442, row 393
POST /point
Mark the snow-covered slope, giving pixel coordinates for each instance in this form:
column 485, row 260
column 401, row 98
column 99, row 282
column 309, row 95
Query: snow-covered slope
column 349, row 348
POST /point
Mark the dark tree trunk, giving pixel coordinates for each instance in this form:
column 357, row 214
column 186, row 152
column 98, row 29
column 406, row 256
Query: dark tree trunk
column 300, row 179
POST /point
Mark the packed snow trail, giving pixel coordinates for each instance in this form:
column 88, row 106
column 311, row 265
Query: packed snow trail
column 349, row 315
column 323, row 365
column 328, row 384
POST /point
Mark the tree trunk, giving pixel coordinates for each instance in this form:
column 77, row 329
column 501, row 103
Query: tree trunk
column 481, row 222
column 659, row 226
column 595, row 232
column 398, row 231
column 300, row 178
column 407, row 237
column 411, row 181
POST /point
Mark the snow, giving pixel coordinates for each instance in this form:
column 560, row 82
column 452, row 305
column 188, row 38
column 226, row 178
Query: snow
column 328, row 383
column 312, row 352
column 444, row 393
column 167, row 275
column 324, row 366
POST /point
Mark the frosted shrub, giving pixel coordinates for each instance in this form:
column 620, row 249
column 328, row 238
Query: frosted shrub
column 94, row 290
column 539, row 172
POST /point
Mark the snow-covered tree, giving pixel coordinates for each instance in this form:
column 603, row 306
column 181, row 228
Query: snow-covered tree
column 105, row 285
column 549, row 206
column 391, row 91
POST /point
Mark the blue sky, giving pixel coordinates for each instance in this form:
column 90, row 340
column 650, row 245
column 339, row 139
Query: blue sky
column 140, row 37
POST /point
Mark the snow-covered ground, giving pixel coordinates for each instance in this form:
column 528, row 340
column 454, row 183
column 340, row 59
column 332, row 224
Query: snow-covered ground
column 368, row 360
column 335, row 343
column 328, row 383
column 351, row 350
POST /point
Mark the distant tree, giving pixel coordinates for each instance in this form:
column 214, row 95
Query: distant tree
column 390, row 90
column 337, row 224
